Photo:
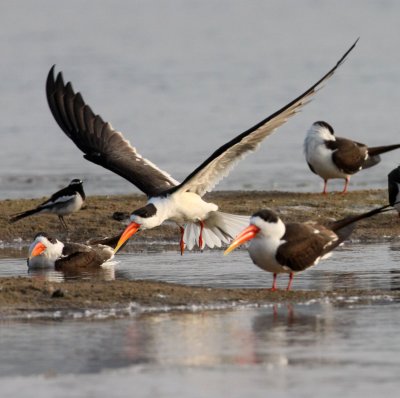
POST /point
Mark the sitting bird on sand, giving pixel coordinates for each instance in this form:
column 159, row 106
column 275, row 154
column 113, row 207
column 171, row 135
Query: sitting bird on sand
column 63, row 202
column 290, row 248
column 49, row 252
column 334, row 157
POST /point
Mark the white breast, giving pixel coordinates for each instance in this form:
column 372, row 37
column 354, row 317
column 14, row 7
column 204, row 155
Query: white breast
column 262, row 251
column 183, row 207
column 74, row 204
column 319, row 156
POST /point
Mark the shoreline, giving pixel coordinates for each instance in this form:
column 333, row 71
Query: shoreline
column 22, row 297
column 95, row 220
column 27, row 298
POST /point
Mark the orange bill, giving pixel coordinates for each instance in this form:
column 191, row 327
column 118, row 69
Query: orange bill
column 38, row 249
column 249, row 233
column 130, row 230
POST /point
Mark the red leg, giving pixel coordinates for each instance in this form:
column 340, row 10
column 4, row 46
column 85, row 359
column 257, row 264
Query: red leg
column 273, row 288
column 181, row 242
column 201, row 235
column 346, row 184
column 290, row 281
column 324, row 192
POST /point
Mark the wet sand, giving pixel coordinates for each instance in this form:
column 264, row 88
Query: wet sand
column 95, row 219
column 19, row 295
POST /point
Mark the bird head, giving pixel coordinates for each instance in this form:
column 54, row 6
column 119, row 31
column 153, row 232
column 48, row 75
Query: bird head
column 44, row 251
column 262, row 223
column 76, row 181
column 322, row 129
column 77, row 185
column 143, row 218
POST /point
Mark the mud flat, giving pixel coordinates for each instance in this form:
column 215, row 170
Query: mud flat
column 22, row 295
column 95, row 219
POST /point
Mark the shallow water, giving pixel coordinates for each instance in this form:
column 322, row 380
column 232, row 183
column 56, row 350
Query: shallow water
column 319, row 347
column 353, row 266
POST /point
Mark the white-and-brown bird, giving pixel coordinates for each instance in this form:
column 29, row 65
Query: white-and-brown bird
column 290, row 248
column 62, row 203
column 334, row 157
column 48, row 252
column 200, row 222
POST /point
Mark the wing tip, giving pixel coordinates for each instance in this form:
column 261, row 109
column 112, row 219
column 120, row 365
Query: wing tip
column 344, row 57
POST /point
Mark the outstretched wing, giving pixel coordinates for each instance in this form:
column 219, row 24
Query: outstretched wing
column 221, row 162
column 97, row 139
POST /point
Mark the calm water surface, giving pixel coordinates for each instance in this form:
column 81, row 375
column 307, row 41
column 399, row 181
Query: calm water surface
column 315, row 348
column 322, row 347
column 353, row 266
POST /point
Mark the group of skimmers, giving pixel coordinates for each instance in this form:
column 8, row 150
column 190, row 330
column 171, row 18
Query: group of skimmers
column 274, row 246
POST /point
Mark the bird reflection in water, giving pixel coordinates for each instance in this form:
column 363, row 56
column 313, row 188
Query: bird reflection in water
column 244, row 337
column 333, row 280
column 195, row 339
column 103, row 273
column 394, row 273
column 285, row 326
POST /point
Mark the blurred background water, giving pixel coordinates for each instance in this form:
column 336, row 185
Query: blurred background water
column 180, row 78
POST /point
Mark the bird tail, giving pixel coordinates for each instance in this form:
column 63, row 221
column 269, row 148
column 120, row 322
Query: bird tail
column 18, row 216
column 374, row 152
column 219, row 228
column 377, row 150
column 344, row 227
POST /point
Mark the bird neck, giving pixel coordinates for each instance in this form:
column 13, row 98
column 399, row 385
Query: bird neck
column 81, row 192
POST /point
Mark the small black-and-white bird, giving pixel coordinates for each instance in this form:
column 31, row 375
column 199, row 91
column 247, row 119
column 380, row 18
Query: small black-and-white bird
column 394, row 188
column 334, row 157
column 290, row 248
column 63, row 202
column 48, row 252
column 200, row 222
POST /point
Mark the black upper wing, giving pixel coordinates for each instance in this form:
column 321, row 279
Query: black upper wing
column 97, row 139
column 304, row 244
column 349, row 156
column 220, row 163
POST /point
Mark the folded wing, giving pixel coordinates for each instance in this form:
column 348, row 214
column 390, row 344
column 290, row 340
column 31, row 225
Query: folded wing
column 305, row 244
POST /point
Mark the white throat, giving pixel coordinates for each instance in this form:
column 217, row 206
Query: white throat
column 315, row 137
column 318, row 155
column 264, row 245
